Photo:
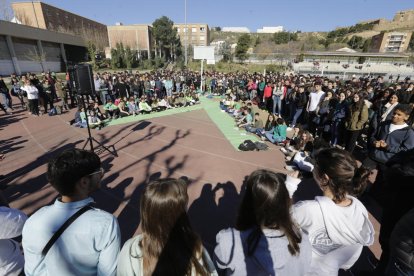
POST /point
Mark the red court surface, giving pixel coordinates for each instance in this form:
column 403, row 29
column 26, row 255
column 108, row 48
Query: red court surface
column 184, row 145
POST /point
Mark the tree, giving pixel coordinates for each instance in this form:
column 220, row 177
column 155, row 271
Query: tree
column 243, row 45
column 356, row 42
column 92, row 53
column 367, row 45
column 284, row 37
column 129, row 57
column 166, row 37
column 225, row 51
column 411, row 44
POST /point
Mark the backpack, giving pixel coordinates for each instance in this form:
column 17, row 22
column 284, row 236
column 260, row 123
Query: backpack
column 261, row 146
column 58, row 110
column 247, row 145
column 52, row 112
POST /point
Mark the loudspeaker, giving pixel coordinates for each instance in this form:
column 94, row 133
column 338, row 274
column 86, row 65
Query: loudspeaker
column 81, row 78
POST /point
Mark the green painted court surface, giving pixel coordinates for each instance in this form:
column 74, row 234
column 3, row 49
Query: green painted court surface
column 222, row 120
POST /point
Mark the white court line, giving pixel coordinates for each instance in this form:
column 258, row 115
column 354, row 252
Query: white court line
column 34, row 139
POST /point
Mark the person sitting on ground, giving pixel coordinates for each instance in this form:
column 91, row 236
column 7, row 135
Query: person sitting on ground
column 164, row 103
column 168, row 245
column 94, row 121
column 80, row 118
column 144, row 106
column 123, row 110
column 258, row 124
column 303, row 142
column 195, row 99
column 247, row 120
column 180, row 101
column 90, row 244
column 111, row 110
column 98, row 112
column 270, row 124
column 337, row 223
column 278, row 134
column 132, row 107
column 266, row 239
column 154, row 104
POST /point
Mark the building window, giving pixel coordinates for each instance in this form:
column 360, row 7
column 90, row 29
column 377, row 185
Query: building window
column 194, row 30
column 202, row 29
column 202, row 38
column 178, row 30
column 185, row 30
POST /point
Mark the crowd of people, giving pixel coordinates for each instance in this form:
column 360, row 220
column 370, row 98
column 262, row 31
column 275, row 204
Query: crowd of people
column 272, row 235
column 332, row 121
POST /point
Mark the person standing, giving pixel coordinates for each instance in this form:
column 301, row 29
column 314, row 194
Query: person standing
column 356, row 119
column 90, row 244
column 32, row 96
column 315, row 99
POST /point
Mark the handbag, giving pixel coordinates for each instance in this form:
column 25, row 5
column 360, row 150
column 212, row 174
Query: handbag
column 60, row 231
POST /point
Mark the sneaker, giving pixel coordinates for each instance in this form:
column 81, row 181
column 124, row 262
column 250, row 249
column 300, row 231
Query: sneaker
column 283, row 150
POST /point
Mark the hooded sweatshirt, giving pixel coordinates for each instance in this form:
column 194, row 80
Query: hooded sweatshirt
column 271, row 256
column 337, row 234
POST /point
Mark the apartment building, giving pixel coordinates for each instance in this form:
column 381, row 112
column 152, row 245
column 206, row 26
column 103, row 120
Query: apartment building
column 197, row 34
column 391, row 42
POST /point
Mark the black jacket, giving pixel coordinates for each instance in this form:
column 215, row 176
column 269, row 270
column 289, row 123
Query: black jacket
column 402, row 241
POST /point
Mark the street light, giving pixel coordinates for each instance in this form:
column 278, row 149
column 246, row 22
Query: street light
column 186, row 33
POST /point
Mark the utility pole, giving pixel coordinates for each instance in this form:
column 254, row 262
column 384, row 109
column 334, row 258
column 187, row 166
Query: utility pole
column 186, row 34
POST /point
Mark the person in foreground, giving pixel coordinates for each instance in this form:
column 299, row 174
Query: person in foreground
column 90, row 244
column 168, row 245
column 337, row 222
column 266, row 240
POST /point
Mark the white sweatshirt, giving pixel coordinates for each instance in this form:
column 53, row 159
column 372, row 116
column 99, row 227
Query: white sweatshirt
column 32, row 92
column 337, row 234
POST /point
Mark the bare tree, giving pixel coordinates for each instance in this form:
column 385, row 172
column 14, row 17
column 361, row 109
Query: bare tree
column 23, row 18
column 6, row 12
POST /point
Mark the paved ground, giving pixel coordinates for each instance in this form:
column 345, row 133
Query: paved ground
column 187, row 144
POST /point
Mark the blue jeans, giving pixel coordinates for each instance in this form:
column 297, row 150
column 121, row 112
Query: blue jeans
column 251, row 129
column 277, row 105
column 298, row 112
column 274, row 139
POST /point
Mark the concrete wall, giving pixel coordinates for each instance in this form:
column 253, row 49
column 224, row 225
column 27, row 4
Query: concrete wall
column 27, row 49
column 134, row 36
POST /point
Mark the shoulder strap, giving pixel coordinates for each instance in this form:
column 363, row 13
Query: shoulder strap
column 59, row 232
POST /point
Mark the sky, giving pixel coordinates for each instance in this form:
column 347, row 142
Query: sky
column 304, row 15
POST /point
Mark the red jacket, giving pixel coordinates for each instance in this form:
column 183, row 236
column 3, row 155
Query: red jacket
column 268, row 91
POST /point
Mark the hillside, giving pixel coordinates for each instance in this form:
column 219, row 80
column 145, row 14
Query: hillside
column 357, row 36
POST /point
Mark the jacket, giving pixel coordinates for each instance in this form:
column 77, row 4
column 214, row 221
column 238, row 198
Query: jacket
column 397, row 141
column 402, row 241
column 357, row 119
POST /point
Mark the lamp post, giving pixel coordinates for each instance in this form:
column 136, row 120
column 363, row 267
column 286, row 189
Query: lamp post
column 186, row 33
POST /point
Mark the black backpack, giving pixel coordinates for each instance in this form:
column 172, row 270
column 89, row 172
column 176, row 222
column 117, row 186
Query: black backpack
column 261, row 146
column 247, row 145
